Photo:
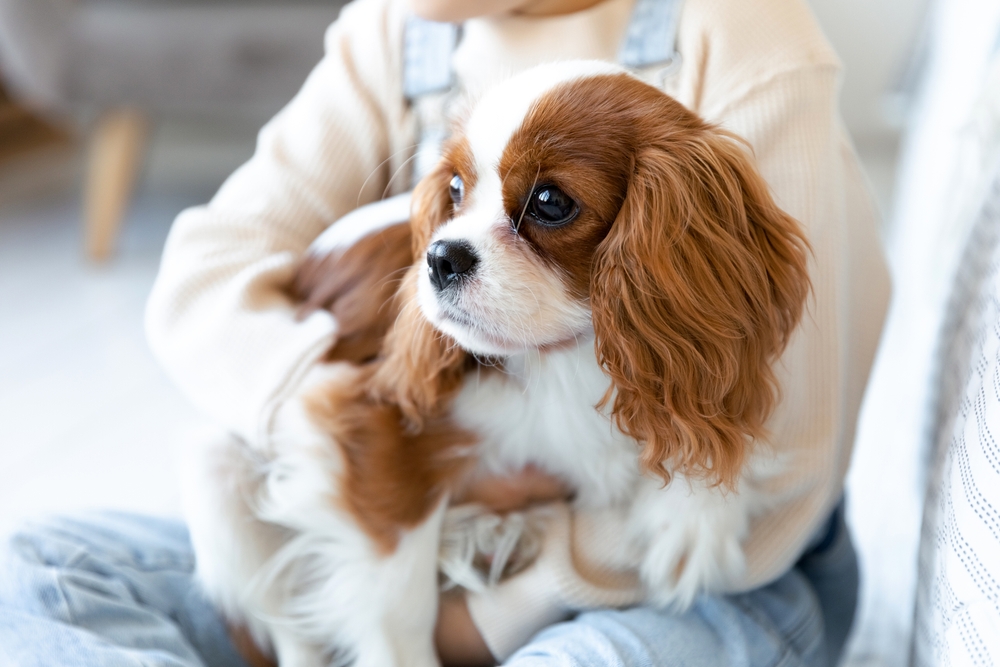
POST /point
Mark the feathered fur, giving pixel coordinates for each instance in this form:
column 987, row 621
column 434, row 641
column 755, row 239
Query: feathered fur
column 628, row 349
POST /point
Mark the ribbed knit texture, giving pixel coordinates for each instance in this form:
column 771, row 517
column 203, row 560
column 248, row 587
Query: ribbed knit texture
column 221, row 326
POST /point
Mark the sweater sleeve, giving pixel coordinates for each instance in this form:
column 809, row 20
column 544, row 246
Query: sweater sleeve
column 791, row 121
column 218, row 319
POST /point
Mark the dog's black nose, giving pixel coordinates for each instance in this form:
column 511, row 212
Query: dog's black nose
column 447, row 260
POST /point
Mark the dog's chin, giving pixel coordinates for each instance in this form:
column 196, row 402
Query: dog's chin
column 479, row 336
column 458, row 326
column 474, row 342
column 461, row 327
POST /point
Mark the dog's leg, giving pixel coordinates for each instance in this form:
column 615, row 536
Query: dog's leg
column 221, row 479
column 365, row 604
column 403, row 602
column 278, row 551
column 367, row 608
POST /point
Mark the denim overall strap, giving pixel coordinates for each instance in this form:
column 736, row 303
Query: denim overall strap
column 648, row 49
column 429, row 86
column 651, row 36
column 650, row 45
column 427, row 49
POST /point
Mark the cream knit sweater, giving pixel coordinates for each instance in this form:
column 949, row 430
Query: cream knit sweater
column 221, row 326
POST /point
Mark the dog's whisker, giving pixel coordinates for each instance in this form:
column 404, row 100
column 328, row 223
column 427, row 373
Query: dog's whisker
column 396, row 173
column 524, row 209
column 503, row 183
column 361, row 190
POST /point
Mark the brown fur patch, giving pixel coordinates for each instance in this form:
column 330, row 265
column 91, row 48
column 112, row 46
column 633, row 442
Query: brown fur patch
column 357, row 284
column 577, row 138
column 393, row 478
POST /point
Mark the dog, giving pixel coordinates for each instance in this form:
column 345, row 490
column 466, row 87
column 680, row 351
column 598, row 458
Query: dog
column 594, row 282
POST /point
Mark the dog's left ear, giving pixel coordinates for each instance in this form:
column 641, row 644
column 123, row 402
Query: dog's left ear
column 695, row 293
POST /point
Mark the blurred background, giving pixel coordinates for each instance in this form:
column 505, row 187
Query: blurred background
column 119, row 113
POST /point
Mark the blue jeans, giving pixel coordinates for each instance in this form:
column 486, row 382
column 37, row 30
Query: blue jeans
column 118, row 590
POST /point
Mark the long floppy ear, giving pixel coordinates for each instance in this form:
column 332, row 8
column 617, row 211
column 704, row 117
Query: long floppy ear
column 420, row 365
column 695, row 293
column 431, row 207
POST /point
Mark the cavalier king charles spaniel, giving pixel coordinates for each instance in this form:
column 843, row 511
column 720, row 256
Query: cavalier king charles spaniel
column 593, row 282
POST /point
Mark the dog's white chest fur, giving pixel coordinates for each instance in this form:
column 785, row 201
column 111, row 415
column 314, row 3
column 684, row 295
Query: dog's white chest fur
column 541, row 409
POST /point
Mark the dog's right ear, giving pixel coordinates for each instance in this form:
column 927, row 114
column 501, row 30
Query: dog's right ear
column 420, row 365
column 431, row 207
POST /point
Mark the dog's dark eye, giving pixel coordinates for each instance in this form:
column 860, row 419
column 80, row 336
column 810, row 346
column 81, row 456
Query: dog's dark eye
column 551, row 206
column 456, row 189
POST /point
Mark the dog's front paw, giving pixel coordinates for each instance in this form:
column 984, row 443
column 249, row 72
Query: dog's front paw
column 480, row 548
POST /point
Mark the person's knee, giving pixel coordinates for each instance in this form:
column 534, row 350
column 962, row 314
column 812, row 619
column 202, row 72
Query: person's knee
column 104, row 539
column 31, row 558
column 36, row 542
column 576, row 643
column 781, row 622
column 619, row 638
column 793, row 611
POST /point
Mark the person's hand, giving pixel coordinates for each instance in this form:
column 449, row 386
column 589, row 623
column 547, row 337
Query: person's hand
column 456, row 637
column 458, row 641
column 514, row 492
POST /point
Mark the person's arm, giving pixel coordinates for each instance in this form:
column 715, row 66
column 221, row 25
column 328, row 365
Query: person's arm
column 219, row 320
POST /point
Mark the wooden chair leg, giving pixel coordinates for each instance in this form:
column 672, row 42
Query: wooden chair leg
column 115, row 158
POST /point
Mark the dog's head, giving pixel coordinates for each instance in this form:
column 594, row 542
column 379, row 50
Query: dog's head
column 575, row 200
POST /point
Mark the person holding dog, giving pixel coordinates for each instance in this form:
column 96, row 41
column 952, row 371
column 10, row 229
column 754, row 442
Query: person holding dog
column 366, row 124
